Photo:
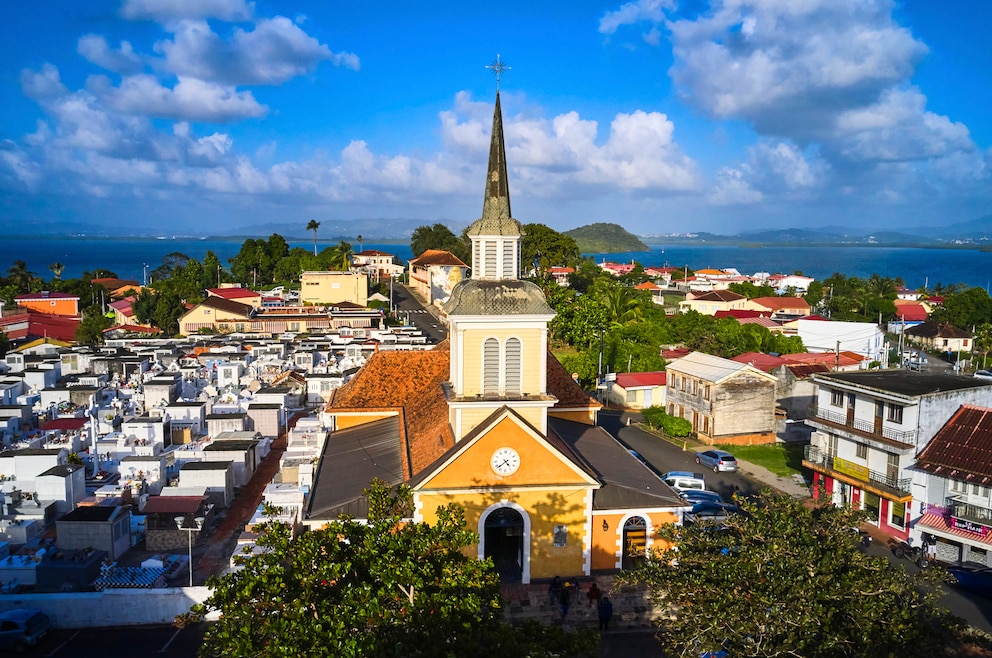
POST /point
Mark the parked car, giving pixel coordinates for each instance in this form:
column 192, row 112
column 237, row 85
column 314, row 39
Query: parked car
column 977, row 580
column 22, row 628
column 682, row 480
column 709, row 511
column 700, row 496
column 718, row 460
column 983, row 374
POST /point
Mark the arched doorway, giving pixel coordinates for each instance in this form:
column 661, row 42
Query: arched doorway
column 503, row 541
column 635, row 542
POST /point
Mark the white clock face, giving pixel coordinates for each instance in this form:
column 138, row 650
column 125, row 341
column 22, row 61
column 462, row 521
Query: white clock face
column 505, row 461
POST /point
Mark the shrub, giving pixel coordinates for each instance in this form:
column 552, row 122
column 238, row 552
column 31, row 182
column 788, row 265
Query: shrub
column 657, row 419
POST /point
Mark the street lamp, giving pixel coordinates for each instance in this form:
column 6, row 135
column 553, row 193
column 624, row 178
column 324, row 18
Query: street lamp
column 181, row 524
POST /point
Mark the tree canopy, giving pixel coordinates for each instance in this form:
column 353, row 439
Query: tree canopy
column 786, row 579
column 547, row 248
column 386, row 588
column 438, row 236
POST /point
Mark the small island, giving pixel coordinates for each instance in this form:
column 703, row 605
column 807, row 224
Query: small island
column 602, row 238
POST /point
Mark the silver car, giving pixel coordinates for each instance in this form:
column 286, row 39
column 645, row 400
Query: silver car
column 718, row 460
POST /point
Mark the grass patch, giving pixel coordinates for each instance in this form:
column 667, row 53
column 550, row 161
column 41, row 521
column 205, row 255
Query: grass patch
column 783, row 459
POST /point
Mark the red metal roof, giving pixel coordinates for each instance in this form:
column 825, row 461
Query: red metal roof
column 763, row 362
column 232, row 293
column 641, row 379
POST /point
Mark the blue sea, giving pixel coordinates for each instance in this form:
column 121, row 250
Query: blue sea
column 128, row 258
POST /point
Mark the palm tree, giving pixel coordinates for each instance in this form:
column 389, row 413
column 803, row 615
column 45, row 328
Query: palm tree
column 57, row 269
column 341, row 256
column 983, row 340
column 621, row 305
column 19, row 276
column 313, row 226
column 359, row 240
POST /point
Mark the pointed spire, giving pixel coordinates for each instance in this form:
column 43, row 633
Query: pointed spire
column 496, row 203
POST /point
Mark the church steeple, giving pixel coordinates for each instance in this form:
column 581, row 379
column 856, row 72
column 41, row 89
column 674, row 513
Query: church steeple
column 496, row 236
column 496, row 202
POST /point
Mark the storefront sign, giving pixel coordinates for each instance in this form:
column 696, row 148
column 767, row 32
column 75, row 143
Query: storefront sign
column 969, row 526
column 850, row 468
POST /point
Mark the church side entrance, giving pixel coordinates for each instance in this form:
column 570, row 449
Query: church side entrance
column 503, row 541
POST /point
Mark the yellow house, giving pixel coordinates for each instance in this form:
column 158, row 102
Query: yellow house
column 490, row 420
column 216, row 314
column 710, row 302
column 333, row 287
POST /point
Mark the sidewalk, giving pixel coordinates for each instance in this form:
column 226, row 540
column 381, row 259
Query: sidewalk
column 631, row 609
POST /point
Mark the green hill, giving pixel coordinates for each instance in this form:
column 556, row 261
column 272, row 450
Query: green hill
column 605, row 239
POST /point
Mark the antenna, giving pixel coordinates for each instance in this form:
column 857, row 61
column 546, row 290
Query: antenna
column 498, row 67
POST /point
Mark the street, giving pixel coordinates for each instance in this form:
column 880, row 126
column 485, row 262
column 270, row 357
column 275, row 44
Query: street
column 409, row 309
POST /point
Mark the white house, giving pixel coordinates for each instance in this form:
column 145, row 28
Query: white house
column 864, row 338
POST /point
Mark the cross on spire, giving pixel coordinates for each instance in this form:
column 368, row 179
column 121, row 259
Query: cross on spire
column 498, row 67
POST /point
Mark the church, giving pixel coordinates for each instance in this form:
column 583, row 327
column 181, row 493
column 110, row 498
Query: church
column 490, row 420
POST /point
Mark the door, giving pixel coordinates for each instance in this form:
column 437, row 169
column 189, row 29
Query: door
column 851, row 397
column 879, row 415
column 635, row 542
column 504, row 543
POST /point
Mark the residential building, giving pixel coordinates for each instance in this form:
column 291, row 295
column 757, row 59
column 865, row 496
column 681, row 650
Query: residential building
column 780, row 308
column 726, row 402
column 708, row 303
column 955, row 470
column 637, row 390
column 869, row 427
column 940, row 337
column 216, row 314
column 49, row 303
column 236, row 293
column 333, row 287
column 377, row 264
column 434, row 273
column 864, row 338
column 560, row 275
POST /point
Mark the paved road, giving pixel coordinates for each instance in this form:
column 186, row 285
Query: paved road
column 662, row 456
column 409, row 308
column 164, row 641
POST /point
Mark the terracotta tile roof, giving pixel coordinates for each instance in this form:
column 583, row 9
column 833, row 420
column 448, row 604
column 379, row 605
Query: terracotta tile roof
column 765, row 362
column 767, row 323
column 372, row 252
column 782, row 303
column 740, row 314
column 803, row 371
column 675, row 353
column 962, row 448
column 647, row 285
column 410, row 383
column 829, row 359
column 437, row 257
column 111, row 283
column 560, row 384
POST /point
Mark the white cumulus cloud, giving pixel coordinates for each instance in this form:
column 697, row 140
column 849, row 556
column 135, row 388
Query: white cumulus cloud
column 96, row 49
column 170, row 10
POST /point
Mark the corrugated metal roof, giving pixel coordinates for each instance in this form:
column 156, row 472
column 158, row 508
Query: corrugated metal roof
column 711, row 368
column 962, row 448
column 352, row 458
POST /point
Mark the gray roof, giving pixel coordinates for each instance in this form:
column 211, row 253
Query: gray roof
column 230, row 445
column 902, row 382
column 62, row 471
column 206, row 466
column 351, row 459
column 627, row 482
column 503, row 297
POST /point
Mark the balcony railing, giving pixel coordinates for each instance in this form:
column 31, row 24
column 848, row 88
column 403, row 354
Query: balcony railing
column 963, row 510
column 864, row 427
column 835, row 464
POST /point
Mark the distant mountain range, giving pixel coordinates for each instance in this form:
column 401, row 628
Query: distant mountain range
column 976, row 233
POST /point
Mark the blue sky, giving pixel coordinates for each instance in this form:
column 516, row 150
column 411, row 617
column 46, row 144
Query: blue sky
column 660, row 115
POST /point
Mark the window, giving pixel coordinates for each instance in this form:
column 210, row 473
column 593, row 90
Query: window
column 862, row 451
column 706, row 392
column 898, row 514
column 513, row 366
column 974, row 490
column 837, row 398
column 895, row 413
column 631, row 397
column 489, row 268
column 490, row 366
column 508, row 272
column 682, row 383
column 872, row 502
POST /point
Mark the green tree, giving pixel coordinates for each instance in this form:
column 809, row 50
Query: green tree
column 983, row 340
column 313, row 225
column 213, row 273
column 57, row 269
column 90, row 328
column 438, row 236
column 620, row 304
column 383, row 588
column 814, row 294
column 547, row 248
column 752, row 291
column 20, row 277
column 341, row 256
column 359, row 239
column 965, row 309
column 787, row 579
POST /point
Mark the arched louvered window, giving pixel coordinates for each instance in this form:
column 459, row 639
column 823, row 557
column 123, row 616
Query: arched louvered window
column 508, row 260
column 513, row 367
column 490, row 366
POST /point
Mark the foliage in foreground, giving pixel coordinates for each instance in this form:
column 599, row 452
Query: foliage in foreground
column 385, row 588
column 784, row 579
column 658, row 419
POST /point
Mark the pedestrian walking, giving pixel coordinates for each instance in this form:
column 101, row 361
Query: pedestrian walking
column 605, row 613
